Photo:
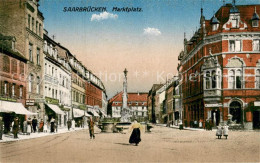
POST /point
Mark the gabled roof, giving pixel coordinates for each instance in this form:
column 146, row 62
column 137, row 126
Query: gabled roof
column 131, row 97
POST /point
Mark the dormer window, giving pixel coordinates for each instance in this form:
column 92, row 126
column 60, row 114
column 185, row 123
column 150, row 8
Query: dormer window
column 234, row 23
column 255, row 19
column 215, row 23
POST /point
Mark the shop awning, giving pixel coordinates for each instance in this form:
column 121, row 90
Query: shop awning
column 16, row 107
column 56, row 109
column 80, row 113
column 94, row 113
column 103, row 113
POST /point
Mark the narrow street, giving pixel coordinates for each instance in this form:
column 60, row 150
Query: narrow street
column 161, row 145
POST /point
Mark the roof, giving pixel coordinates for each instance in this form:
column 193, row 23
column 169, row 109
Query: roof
column 214, row 20
column 131, row 97
column 234, row 10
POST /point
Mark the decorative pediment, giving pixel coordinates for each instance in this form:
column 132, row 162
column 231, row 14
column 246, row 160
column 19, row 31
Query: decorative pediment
column 234, row 21
column 235, row 62
column 211, row 62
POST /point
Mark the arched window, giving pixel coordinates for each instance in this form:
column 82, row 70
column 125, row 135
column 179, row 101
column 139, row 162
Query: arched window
column 231, row 79
column 207, row 80
column 257, row 78
column 6, row 64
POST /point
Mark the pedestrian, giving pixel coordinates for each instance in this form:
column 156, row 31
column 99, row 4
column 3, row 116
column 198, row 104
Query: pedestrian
column 219, row 131
column 225, row 130
column 16, row 128
column 29, row 126
column 91, row 125
column 1, row 127
column 56, row 125
column 136, row 133
column 34, row 124
column 52, row 125
column 25, row 127
column 41, row 126
column 69, row 124
column 73, row 124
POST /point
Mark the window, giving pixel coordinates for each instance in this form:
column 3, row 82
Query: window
column 13, row 45
column 207, row 80
column 40, row 29
column 235, row 79
column 36, row 27
column 21, row 68
column 13, row 89
column 38, row 56
column 214, row 79
column 45, row 68
column 255, row 23
column 32, row 23
column 30, row 52
column 38, row 85
column 234, row 23
column 5, row 88
column 6, row 64
column 257, row 78
column 29, row 21
column 30, row 83
column 21, row 91
column 235, row 45
column 215, row 27
column 256, row 45
column 14, row 66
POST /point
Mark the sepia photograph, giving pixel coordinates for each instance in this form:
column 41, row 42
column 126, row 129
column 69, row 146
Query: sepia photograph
column 129, row 81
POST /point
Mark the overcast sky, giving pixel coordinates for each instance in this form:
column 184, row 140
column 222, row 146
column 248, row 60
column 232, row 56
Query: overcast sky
column 147, row 43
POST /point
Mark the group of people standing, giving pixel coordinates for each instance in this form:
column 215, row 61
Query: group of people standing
column 222, row 130
column 32, row 126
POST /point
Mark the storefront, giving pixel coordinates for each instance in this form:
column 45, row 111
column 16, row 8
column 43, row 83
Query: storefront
column 53, row 111
column 80, row 117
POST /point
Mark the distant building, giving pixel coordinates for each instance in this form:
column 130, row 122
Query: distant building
column 136, row 102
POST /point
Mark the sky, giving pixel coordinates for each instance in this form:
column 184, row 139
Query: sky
column 146, row 43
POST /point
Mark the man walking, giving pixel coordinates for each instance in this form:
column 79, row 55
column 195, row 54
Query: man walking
column 91, row 125
column 16, row 128
column 34, row 124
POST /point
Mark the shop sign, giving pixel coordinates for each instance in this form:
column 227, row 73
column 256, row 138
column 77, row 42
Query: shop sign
column 8, row 99
column 176, row 96
column 257, row 103
column 52, row 101
column 29, row 102
column 213, row 105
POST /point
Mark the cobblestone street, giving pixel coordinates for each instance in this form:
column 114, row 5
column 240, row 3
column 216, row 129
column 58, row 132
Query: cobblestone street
column 161, row 145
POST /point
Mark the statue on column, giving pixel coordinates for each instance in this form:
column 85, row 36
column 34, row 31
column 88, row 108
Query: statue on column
column 125, row 112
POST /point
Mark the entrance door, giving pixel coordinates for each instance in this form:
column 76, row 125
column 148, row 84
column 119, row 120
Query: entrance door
column 217, row 116
column 256, row 119
column 235, row 110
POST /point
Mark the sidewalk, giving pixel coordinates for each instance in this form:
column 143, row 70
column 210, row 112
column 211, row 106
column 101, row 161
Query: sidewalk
column 184, row 128
column 10, row 137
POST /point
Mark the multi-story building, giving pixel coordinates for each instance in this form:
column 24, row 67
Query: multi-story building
column 153, row 104
column 23, row 20
column 136, row 102
column 57, row 81
column 162, row 104
column 220, row 68
column 12, row 81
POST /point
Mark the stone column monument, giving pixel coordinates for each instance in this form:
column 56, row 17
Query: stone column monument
column 125, row 112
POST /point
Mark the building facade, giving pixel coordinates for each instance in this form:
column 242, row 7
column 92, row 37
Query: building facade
column 136, row 102
column 25, row 23
column 57, row 81
column 220, row 68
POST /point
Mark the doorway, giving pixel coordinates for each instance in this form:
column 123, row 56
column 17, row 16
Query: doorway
column 235, row 110
column 256, row 120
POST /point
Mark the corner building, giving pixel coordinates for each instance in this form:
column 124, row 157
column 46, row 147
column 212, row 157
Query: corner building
column 220, row 68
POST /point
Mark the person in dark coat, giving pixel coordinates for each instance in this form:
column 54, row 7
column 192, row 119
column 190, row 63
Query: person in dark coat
column 136, row 133
column 91, row 125
column 34, row 124
column 69, row 124
column 16, row 127
column 52, row 125
column 1, row 127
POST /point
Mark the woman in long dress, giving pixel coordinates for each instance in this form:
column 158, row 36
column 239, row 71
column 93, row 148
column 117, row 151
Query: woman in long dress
column 219, row 131
column 135, row 137
column 225, row 130
column 52, row 125
column 29, row 126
